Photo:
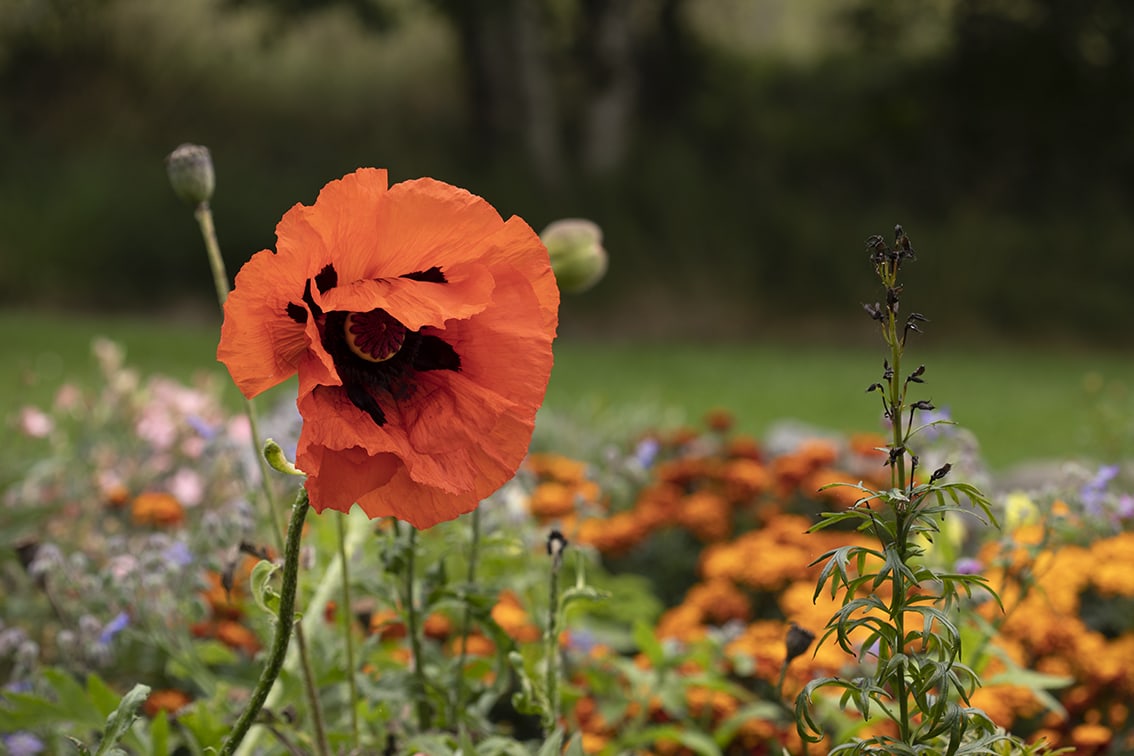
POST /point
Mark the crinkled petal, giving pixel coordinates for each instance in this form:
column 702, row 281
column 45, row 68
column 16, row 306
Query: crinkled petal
column 339, row 478
column 416, row 304
column 260, row 344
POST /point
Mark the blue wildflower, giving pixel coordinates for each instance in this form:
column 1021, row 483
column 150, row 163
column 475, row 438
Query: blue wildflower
column 113, row 628
column 22, row 744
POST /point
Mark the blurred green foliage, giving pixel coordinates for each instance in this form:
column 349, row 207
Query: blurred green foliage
column 729, row 149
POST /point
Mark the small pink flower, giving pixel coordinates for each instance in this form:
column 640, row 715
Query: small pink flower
column 193, row 447
column 187, row 486
column 35, row 423
column 68, row 397
column 239, row 430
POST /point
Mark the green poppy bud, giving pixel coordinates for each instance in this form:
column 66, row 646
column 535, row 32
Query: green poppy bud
column 577, row 255
column 190, row 169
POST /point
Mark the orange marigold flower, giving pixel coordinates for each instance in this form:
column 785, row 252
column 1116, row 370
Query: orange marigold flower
column 720, row 420
column 116, row 495
column 510, row 614
column 552, row 499
column 743, row 447
column 745, row 478
column 844, row 495
column 557, row 467
column 707, row 515
column 420, row 324
column 157, row 508
column 168, row 700
column 474, row 645
column 616, row 534
column 1091, row 737
column 437, row 626
column 238, row 636
column 387, row 624
column 720, row 600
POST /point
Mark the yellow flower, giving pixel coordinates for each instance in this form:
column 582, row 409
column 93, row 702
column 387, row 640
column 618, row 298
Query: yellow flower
column 1019, row 510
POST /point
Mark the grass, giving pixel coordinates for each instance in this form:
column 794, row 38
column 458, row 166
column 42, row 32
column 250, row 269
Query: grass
column 1024, row 403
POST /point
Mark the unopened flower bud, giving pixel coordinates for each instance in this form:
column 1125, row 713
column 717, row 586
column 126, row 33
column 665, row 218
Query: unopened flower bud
column 190, row 169
column 577, row 255
column 278, row 460
column 556, row 545
column 798, row 641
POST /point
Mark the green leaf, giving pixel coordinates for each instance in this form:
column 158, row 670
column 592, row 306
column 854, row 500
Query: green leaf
column 122, row 719
column 100, row 694
column 159, row 734
column 575, row 745
column 698, row 742
column 553, row 745
column 267, row 598
column 73, row 698
column 648, row 643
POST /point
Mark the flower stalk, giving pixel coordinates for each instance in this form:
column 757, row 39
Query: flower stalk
column 192, row 176
column 285, row 618
column 348, row 639
column 466, row 619
column 556, row 544
column 421, row 704
column 916, row 678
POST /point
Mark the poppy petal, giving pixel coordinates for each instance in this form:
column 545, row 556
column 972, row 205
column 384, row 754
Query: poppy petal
column 415, row 304
column 338, row 479
column 260, row 344
column 425, row 437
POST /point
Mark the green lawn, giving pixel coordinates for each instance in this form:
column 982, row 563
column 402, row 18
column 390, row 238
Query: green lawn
column 1023, row 403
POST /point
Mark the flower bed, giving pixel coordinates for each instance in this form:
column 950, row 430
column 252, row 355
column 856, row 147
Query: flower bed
column 134, row 556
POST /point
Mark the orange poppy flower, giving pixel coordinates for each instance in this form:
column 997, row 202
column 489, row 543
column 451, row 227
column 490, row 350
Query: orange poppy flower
column 420, row 324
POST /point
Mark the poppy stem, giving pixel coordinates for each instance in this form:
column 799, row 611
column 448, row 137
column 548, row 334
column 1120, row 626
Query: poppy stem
column 466, row 620
column 421, row 704
column 204, row 215
column 551, row 641
column 347, row 638
column 285, row 619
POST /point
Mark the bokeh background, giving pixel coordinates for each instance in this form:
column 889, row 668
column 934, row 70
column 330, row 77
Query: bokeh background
column 736, row 152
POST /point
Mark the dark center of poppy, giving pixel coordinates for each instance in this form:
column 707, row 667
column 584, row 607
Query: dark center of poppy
column 374, row 336
column 376, row 356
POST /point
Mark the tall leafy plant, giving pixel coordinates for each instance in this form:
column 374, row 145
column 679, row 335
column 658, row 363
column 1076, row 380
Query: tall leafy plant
column 899, row 614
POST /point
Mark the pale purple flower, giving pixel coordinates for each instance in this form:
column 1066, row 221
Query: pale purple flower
column 968, row 566
column 22, row 744
column 203, row 428
column 942, row 416
column 1094, row 491
column 646, row 452
column 113, row 628
column 178, row 554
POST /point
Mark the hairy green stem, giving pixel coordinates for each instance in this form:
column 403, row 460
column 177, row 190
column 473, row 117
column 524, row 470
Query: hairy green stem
column 312, row 693
column 466, row 620
column 284, row 621
column 421, row 707
column 348, row 638
column 898, row 482
column 551, row 649
column 204, row 216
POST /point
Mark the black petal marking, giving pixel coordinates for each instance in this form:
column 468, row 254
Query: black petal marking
column 327, row 279
column 362, row 399
column 435, row 354
column 432, row 275
column 297, row 312
column 316, row 310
